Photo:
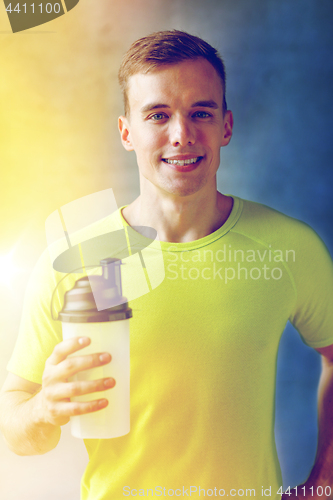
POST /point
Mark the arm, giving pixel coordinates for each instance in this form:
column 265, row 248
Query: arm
column 322, row 471
column 20, row 418
column 31, row 414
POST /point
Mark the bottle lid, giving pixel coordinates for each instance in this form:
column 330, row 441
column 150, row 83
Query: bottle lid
column 80, row 302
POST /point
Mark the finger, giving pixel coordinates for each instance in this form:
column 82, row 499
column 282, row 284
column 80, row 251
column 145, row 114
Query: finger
column 67, row 347
column 63, row 410
column 75, row 364
column 79, row 388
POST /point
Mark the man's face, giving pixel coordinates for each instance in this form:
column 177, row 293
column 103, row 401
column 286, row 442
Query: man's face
column 176, row 126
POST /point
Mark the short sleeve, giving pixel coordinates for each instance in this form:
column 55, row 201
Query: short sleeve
column 38, row 333
column 312, row 271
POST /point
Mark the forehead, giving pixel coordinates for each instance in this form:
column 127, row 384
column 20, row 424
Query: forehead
column 185, row 82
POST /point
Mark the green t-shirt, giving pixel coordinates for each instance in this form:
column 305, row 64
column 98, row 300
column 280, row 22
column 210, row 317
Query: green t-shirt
column 204, row 346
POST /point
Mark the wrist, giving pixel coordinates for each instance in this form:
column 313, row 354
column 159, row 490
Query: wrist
column 24, row 427
column 45, row 434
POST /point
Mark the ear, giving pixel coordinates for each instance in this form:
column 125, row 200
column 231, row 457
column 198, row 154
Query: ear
column 228, row 123
column 124, row 129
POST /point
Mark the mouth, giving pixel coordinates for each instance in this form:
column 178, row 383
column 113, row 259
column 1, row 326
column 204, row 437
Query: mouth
column 181, row 164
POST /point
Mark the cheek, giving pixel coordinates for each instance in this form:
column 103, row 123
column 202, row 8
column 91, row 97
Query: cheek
column 151, row 144
column 211, row 137
column 146, row 140
column 217, row 143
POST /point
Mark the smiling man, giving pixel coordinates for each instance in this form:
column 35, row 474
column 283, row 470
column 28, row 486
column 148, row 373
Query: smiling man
column 204, row 343
column 176, row 123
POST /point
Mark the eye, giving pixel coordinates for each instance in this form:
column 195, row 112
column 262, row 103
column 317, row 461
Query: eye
column 157, row 117
column 201, row 114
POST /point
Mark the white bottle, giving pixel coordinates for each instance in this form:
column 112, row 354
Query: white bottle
column 108, row 329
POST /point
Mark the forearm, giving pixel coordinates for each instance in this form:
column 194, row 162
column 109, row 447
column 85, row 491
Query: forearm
column 21, row 422
column 322, row 472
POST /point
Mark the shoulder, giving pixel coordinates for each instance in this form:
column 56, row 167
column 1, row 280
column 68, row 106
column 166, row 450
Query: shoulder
column 275, row 228
column 304, row 253
column 257, row 215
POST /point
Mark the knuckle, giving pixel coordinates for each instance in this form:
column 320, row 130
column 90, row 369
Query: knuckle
column 53, row 411
column 70, row 364
column 47, row 393
column 57, row 348
column 76, row 409
column 94, row 359
column 100, row 386
column 46, row 378
column 75, row 389
column 92, row 406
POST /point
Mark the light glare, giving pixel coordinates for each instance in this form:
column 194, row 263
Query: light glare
column 8, row 269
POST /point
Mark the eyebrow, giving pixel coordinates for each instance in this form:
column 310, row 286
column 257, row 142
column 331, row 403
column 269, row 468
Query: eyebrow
column 153, row 105
column 205, row 104
column 199, row 104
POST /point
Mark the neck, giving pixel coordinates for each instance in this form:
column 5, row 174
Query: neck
column 180, row 219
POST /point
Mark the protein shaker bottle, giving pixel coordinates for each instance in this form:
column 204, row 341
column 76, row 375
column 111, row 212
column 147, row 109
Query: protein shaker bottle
column 108, row 329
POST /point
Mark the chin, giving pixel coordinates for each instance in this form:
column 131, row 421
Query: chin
column 182, row 189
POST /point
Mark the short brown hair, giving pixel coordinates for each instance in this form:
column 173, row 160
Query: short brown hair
column 163, row 48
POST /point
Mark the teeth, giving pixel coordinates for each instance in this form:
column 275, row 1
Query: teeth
column 181, row 163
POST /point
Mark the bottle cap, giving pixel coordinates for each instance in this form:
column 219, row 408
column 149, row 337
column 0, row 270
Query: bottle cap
column 80, row 304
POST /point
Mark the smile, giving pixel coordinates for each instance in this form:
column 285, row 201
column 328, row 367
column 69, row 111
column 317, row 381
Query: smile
column 181, row 163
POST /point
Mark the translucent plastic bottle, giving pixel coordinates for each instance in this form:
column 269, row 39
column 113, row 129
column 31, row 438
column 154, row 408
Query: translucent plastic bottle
column 108, row 329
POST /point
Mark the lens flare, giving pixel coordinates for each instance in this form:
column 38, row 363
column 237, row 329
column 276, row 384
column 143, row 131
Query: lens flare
column 8, row 269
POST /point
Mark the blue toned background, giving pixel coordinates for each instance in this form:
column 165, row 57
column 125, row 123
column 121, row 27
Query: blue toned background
column 59, row 142
column 279, row 58
column 279, row 61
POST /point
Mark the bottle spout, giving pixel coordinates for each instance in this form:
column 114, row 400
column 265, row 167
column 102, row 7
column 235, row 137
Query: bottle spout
column 111, row 275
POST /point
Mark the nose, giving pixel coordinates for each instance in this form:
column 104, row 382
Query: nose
column 182, row 132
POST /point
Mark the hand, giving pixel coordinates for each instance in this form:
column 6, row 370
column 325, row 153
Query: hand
column 56, row 391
